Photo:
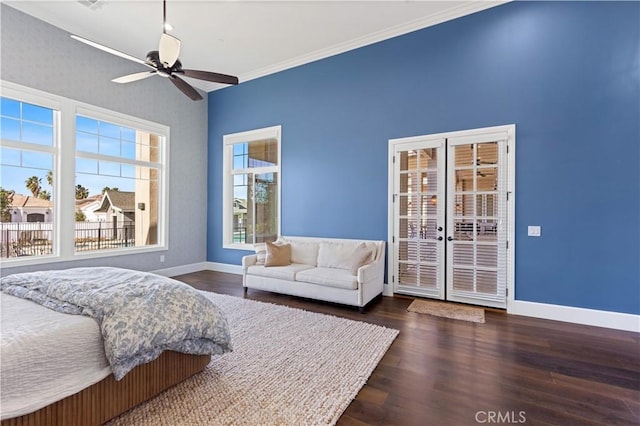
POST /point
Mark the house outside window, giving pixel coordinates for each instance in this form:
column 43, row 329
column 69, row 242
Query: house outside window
column 116, row 163
column 251, row 187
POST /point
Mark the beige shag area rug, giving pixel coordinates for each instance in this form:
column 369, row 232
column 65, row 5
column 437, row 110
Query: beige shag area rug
column 288, row 367
column 447, row 310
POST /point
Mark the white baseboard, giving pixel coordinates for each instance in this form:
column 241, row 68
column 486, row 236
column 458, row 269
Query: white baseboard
column 387, row 290
column 183, row 269
column 615, row 320
column 224, row 267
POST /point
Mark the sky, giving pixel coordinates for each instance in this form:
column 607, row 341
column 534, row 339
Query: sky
column 23, row 122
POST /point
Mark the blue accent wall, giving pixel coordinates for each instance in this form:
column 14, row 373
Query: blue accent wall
column 566, row 73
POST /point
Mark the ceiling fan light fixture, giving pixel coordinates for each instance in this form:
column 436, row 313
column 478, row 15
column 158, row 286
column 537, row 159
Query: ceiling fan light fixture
column 164, row 62
column 167, row 26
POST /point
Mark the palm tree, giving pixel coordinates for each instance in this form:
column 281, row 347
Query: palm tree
column 44, row 195
column 50, row 178
column 33, row 185
column 81, row 192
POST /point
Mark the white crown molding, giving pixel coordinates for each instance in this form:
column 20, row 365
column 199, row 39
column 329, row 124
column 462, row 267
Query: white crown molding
column 454, row 12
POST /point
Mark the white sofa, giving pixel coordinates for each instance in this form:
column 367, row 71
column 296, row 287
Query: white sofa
column 321, row 268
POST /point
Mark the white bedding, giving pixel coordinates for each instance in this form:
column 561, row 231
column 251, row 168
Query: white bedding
column 45, row 356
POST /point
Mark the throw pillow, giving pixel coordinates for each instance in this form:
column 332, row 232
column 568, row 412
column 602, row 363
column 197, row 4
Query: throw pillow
column 360, row 257
column 277, row 254
column 261, row 252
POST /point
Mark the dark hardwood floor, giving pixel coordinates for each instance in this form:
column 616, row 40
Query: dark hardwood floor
column 510, row 370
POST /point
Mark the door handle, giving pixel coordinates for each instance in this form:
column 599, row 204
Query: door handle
column 439, row 228
column 449, row 238
column 440, row 238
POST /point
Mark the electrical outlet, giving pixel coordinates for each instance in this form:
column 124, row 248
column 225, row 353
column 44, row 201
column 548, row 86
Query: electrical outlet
column 162, row 258
column 533, row 231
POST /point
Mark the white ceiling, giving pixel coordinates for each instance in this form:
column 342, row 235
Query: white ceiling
column 248, row 39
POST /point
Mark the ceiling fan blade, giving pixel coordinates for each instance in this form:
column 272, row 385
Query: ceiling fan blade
column 211, row 76
column 133, row 77
column 169, row 49
column 109, row 50
column 185, row 88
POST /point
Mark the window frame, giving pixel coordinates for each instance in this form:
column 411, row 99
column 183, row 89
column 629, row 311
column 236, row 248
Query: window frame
column 64, row 174
column 229, row 140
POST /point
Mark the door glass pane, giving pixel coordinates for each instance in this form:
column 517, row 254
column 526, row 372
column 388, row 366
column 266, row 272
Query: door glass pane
column 425, row 157
column 487, row 282
column 407, row 274
column 464, row 180
column 487, row 255
column 409, row 205
column 427, row 251
column 409, row 182
column 408, row 160
column 463, row 254
column 428, row 276
column 487, row 178
column 487, row 230
column 487, row 153
column 428, row 229
column 463, row 279
column 464, row 155
column 464, row 230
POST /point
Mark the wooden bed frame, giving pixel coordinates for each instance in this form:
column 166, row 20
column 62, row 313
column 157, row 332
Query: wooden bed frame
column 109, row 398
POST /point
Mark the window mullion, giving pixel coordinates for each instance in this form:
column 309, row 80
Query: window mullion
column 112, row 159
column 64, row 181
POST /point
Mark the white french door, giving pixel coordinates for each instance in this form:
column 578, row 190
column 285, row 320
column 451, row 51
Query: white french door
column 451, row 209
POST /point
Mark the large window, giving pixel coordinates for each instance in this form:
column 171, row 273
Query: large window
column 251, row 187
column 118, row 169
column 77, row 180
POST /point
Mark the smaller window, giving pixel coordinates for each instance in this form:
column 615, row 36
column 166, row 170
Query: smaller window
column 251, row 187
column 27, row 158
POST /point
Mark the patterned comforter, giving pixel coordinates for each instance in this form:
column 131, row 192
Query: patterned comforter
column 140, row 314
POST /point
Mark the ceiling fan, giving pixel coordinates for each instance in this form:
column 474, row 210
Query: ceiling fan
column 164, row 62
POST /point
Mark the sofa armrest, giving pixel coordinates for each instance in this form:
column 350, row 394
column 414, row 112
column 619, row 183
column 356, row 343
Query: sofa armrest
column 248, row 260
column 371, row 272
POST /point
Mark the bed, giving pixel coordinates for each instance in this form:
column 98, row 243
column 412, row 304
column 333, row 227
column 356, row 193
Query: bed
column 62, row 368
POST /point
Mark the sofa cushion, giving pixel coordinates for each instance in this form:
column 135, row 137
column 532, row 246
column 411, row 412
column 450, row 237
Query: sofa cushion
column 343, row 255
column 261, row 252
column 277, row 254
column 361, row 256
column 288, row 272
column 302, row 251
column 330, row 277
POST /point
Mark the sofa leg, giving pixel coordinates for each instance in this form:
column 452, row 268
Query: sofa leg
column 245, row 290
column 361, row 309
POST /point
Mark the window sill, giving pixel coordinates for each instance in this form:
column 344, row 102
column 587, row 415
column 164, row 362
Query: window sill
column 52, row 259
column 239, row 246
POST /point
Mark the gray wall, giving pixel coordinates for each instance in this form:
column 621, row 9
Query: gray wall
column 41, row 56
